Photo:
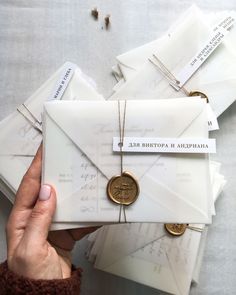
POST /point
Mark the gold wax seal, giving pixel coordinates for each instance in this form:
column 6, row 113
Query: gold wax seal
column 123, row 189
column 176, row 229
column 199, row 93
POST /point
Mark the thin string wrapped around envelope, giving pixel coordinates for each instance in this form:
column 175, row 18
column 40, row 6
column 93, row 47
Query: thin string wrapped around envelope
column 30, row 118
column 122, row 132
column 122, row 189
column 175, row 228
column 172, row 79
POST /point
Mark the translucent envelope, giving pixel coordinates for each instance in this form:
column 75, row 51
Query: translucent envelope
column 216, row 77
column 21, row 131
column 79, row 160
column 167, row 262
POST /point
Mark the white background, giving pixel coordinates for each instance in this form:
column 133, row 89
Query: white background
column 37, row 37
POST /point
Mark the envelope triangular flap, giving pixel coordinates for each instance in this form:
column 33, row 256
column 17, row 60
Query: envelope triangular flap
column 34, row 102
column 187, row 38
column 125, row 239
column 121, row 261
column 135, row 58
column 11, row 133
column 129, row 267
column 91, row 125
column 218, row 65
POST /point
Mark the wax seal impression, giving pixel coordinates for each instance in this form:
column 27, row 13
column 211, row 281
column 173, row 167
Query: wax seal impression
column 199, row 93
column 123, row 189
column 176, row 229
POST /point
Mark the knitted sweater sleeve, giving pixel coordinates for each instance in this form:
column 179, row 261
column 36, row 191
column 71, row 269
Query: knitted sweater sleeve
column 13, row 284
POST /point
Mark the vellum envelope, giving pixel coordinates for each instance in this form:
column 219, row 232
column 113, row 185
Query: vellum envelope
column 21, row 139
column 79, row 161
column 132, row 61
column 167, row 262
column 216, row 77
column 19, row 136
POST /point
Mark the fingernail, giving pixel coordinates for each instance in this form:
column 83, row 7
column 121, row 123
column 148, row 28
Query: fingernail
column 45, row 192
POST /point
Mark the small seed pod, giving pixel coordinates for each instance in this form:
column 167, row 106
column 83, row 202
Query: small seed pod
column 94, row 13
column 107, row 21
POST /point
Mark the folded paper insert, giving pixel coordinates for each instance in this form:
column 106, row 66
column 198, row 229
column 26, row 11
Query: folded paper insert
column 79, row 161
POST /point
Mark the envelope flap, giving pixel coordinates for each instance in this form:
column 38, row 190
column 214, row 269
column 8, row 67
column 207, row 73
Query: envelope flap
column 135, row 58
column 91, row 125
column 126, row 239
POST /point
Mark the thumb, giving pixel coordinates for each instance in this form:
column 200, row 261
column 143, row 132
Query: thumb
column 41, row 216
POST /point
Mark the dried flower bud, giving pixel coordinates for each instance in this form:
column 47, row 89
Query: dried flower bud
column 107, row 21
column 94, row 13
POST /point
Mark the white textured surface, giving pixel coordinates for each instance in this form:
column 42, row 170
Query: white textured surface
column 36, row 37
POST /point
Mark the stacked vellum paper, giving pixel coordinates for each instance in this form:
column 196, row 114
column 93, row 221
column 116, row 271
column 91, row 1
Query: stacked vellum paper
column 22, row 130
column 166, row 145
column 147, row 253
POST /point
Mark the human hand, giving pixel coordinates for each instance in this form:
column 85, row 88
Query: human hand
column 30, row 253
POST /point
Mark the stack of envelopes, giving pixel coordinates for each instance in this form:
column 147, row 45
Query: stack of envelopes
column 153, row 131
column 148, row 253
column 22, row 130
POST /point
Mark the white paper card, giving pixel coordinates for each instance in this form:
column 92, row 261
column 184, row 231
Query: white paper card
column 62, row 83
column 164, row 145
column 212, row 120
column 215, row 39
